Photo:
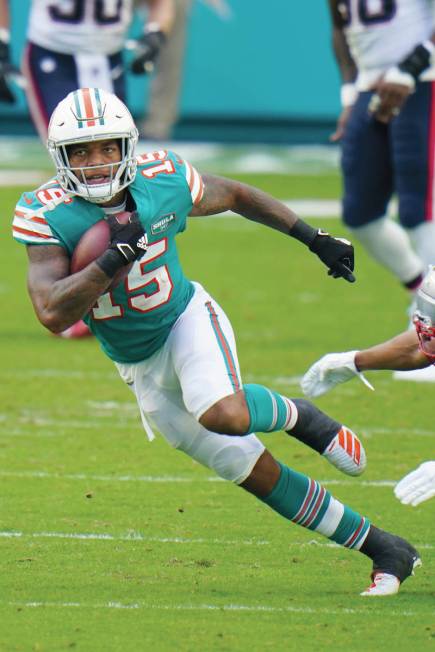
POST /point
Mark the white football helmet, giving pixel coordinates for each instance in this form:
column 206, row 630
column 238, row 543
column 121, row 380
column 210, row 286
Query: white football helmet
column 90, row 114
column 424, row 315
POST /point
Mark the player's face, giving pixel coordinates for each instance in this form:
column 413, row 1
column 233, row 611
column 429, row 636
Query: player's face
column 95, row 160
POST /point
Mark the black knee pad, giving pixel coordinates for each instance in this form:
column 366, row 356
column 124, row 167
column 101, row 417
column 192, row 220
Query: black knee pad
column 313, row 427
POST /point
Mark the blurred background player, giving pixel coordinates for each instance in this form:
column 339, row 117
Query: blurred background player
column 162, row 107
column 161, row 110
column 413, row 349
column 78, row 44
column 387, row 128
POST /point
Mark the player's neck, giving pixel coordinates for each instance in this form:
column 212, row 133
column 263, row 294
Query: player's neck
column 116, row 200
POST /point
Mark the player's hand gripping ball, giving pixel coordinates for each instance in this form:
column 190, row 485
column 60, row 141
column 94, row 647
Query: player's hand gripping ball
column 94, row 242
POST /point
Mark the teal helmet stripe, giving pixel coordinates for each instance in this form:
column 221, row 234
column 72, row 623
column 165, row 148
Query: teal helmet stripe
column 99, row 106
column 78, row 109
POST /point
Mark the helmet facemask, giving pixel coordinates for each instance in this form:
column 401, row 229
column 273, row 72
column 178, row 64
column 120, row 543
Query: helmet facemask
column 92, row 115
column 424, row 315
column 426, row 334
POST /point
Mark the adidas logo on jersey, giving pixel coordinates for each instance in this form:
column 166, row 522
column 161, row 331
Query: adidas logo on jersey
column 163, row 223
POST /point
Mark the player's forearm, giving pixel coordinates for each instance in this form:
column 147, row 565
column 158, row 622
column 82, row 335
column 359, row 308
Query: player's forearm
column 221, row 194
column 258, row 206
column 346, row 65
column 401, row 353
column 345, row 62
column 4, row 15
column 64, row 302
column 162, row 13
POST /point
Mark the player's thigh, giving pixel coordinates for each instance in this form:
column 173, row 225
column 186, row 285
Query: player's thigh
column 160, row 397
column 413, row 151
column 204, row 355
column 232, row 458
column 50, row 77
column 117, row 71
column 366, row 166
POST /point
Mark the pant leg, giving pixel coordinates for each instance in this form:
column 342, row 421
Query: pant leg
column 366, row 166
column 50, row 77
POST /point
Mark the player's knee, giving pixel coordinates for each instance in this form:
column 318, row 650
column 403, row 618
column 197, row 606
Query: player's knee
column 263, row 477
column 235, row 463
column 229, row 416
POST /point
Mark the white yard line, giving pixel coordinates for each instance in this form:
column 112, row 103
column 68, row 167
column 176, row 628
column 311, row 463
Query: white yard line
column 261, row 608
column 168, row 479
column 131, row 537
column 136, row 536
column 107, row 478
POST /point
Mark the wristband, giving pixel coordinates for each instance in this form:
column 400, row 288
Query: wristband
column 111, row 262
column 153, row 28
column 5, row 36
column 348, row 94
column 303, row 232
column 418, row 60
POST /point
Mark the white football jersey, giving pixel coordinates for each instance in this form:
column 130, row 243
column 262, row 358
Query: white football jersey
column 80, row 26
column 381, row 33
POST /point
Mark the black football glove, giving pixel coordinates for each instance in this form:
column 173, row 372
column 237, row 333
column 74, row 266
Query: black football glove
column 6, row 69
column 336, row 253
column 129, row 240
column 146, row 52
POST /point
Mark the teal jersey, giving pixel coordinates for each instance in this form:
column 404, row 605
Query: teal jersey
column 132, row 321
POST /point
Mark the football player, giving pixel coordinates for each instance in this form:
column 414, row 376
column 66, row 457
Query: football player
column 74, row 44
column 410, row 350
column 413, row 349
column 387, row 129
column 80, row 43
column 189, row 386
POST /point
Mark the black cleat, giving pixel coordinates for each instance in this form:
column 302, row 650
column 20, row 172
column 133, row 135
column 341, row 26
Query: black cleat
column 394, row 559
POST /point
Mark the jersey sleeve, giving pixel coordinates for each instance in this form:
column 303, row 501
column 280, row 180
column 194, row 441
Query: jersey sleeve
column 172, row 181
column 194, row 181
column 30, row 226
column 190, row 176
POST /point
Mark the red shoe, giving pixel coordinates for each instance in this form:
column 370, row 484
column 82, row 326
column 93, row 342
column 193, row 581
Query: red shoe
column 75, row 331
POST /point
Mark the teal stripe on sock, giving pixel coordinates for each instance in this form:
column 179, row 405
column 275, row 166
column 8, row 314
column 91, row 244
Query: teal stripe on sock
column 351, row 528
column 289, row 493
column 268, row 411
column 305, row 502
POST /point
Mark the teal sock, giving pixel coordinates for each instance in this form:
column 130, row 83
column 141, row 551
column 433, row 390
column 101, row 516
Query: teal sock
column 307, row 503
column 268, row 410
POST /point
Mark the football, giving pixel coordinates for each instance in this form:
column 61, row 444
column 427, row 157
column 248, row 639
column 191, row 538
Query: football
column 93, row 243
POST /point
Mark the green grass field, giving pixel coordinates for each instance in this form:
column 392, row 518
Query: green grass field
column 110, row 543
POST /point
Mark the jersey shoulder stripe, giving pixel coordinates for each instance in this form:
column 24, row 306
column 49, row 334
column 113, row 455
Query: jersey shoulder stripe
column 195, row 182
column 166, row 162
column 31, row 227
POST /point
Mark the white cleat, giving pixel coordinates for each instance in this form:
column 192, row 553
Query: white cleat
column 346, row 453
column 384, row 584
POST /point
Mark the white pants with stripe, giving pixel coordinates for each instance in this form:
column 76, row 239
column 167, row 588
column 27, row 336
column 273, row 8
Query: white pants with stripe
column 196, row 367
